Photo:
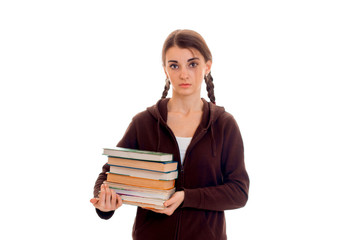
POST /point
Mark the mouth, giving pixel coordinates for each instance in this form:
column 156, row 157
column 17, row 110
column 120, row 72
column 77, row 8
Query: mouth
column 185, row 85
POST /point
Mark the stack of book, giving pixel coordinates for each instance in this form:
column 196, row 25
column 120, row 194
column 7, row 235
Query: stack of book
column 142, row 178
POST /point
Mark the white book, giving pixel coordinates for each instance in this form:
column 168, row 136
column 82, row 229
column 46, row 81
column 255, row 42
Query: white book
column 142, row 200
column 138, row 154
column 144, row 205
column 123, row 189
column 142, row 173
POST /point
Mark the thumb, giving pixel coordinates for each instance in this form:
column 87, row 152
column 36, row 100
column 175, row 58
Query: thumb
column 94, row 200
column 171, row 201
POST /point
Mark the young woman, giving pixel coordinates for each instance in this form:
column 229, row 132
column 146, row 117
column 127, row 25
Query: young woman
column 205, row 141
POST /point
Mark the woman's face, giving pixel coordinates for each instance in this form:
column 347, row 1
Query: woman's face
column 185, row 68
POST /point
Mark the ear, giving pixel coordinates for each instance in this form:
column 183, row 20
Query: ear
column 208, row 65
column 166, row 74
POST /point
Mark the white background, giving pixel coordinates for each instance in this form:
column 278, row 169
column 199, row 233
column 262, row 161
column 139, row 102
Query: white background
column 73, row 74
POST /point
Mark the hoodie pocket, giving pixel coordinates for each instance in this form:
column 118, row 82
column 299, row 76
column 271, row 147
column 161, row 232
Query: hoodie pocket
column 195, row 226
column 207, row 226
column 150, row 225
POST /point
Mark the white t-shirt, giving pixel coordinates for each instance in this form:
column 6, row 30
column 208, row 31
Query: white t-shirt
column 183, row 143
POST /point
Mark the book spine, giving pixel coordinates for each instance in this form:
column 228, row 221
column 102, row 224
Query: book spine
column 141, row 182
column 139, row 155
column 143, row 169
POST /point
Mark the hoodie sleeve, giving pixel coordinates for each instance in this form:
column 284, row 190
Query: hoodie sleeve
column 101, row 178
column 233, row 192
column 128, row 141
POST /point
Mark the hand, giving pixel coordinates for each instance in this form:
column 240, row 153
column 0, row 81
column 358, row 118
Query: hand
column 172, row 204
column 108, row 200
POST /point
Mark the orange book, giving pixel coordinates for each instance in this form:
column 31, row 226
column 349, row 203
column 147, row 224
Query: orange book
column 154, row 166
column 140, row 182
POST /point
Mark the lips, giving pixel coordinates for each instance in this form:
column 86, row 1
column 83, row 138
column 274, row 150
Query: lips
column 185, row 85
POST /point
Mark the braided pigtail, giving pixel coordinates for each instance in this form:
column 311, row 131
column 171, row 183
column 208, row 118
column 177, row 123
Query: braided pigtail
column 166, row 88
column 210, row 87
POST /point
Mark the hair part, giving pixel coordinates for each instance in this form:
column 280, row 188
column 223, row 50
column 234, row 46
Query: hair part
column 189, row 39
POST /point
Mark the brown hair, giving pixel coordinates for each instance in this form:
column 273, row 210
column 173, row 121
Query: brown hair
column 189, row 39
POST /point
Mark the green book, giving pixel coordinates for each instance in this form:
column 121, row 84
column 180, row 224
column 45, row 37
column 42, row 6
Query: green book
column 138, row 154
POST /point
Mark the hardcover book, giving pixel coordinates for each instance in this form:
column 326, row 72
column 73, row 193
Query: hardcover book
column 152, row 203
column 124, row 189
column 138, row 154
column 140, row 182
column 141, row 164
column 143, row 173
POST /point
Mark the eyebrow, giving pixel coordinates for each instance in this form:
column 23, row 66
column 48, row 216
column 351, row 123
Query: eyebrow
column 189, row 60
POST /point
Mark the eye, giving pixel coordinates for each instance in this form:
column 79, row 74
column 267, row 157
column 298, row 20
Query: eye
column 174, row 66
column 193, row 64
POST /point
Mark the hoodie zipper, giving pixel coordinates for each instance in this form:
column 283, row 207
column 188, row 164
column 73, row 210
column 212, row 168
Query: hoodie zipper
column 193, row 142
column 199, row 135
column 182, row 172
column 177, row 232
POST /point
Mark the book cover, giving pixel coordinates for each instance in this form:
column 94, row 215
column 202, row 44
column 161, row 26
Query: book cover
column 124, row 189
column 144, row 173
column 144, row 205
column 140, row 182
column 143, row 200
column 138, row 154
column 141, row 164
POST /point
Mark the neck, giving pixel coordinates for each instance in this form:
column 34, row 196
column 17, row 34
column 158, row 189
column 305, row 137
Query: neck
column 185, row 104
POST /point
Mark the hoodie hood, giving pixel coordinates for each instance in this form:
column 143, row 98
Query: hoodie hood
column 211, row 112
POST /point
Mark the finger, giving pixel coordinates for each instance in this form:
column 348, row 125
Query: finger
column 102, row 195
column 119, row 201
column 168, row 211
column 177, row 198
column 94, row 201
column 107, row 196
column 170, row 202
column 113, row 199
column 157, row 210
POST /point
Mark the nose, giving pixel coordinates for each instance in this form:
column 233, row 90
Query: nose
column 184, row 74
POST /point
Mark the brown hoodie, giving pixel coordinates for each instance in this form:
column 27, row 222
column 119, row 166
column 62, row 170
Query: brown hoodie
column 213, row 175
